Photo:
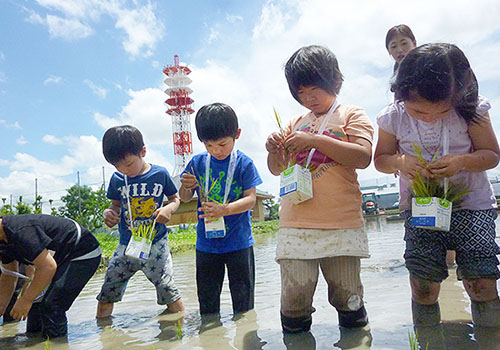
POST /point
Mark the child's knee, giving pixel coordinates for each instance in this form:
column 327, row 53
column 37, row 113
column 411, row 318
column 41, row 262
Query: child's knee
column 424, row 291
column 481, row 289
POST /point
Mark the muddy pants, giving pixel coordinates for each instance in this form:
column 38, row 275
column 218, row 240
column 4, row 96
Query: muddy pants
column 298, row 283
column 49, row 315
column 210, row 269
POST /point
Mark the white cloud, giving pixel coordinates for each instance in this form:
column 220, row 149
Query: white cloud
column 233, row 18
column 21, row 140
column 7, row 125
column 64, row 28
column 97, row 90
column 214, row 35
column 143, row 30
column 146, row 111
column 51, row 139
column 52, row 79
column 3, row 77
column 74, row 19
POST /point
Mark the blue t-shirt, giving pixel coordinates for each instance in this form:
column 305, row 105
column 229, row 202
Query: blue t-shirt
column 146, row 193
column 238, row 226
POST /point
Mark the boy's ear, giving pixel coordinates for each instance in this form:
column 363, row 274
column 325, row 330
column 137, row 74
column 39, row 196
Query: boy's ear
column 238, row 134
column 143, row 152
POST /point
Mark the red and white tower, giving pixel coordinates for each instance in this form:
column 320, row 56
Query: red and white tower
column 179, row 107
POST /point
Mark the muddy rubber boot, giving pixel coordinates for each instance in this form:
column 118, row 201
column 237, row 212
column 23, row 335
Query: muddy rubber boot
column 487, row 337
column 427, row 325
column 353, row 319
column 425, row 315
column 354, row 338
column 486, row 313
column 295, row 324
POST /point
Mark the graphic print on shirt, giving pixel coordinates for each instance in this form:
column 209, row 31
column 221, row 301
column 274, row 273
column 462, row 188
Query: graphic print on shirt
column 319, row 162
column 143, row 202
column 216, row 194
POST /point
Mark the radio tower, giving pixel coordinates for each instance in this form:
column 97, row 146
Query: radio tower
column 179, row 107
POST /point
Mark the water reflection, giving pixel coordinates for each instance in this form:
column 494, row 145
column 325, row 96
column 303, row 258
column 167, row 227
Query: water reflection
column 138, row 323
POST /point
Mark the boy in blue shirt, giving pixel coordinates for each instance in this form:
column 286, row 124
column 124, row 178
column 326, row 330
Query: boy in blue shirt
column 136, row 191
column 225, row 181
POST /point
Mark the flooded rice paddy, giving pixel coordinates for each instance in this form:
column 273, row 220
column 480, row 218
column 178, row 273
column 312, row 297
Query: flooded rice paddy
column 139, row 323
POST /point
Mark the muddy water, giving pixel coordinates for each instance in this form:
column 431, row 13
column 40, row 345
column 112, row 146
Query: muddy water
column 138, row 323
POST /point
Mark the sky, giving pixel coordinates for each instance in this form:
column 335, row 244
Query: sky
column 70, row 69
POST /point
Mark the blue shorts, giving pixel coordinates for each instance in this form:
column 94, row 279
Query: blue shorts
column 472, row 235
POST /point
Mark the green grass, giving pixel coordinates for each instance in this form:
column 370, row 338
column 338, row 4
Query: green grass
column 184, row 240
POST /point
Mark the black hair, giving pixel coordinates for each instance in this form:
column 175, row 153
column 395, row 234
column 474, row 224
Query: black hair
column 313, row 66
column 120, row 141
column 402, row 29
column 216, row 121
column 438, row 72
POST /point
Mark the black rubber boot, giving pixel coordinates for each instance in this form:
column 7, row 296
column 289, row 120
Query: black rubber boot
column 295, row 324
column 353, row 319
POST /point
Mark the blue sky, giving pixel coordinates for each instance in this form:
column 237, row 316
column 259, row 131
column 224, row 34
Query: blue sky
column 71, row 69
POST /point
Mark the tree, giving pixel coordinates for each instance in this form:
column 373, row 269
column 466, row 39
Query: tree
column 22, row 208
column 271, row 207
column 85, row 206
column 37, row 205
column 19, row 208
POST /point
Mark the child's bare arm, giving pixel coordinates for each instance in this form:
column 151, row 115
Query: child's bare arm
column 164, row 214
column 388, row 161
column 485, row 155
column 46, row 267
column 216, row 210
column 7, row 286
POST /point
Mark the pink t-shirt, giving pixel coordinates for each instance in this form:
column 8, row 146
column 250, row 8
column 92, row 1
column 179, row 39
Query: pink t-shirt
column 336, row 201
column 428, row 136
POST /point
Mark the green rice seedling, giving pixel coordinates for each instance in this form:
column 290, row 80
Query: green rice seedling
column 432, row 187
column 414, row 344
column 204, row 197
column 48, row 346
column 144, row 230
column 178, row 330
column 289, row 157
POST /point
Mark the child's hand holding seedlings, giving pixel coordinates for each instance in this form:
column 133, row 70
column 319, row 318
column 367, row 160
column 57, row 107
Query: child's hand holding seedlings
column 410, row 166
column 446, row 166
column 299, row 141
column 274, row 143
column 212, row 210
column 189, row 181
